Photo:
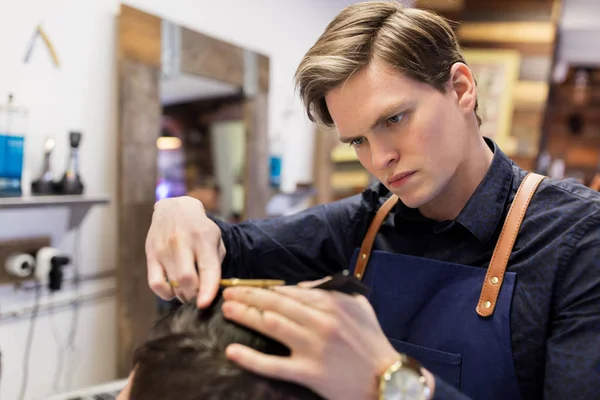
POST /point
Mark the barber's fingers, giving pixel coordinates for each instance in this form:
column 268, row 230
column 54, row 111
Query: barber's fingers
column 272, row 324
column 209, row 254
column 157, row 281
column 269, row 300
column 180, row 234
column 328, row 301
column 184, row 271
column 276, row 367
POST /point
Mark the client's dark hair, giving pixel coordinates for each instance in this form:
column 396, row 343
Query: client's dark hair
column 184, row 359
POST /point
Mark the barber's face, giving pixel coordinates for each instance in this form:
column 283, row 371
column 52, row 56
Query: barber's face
column 409, row 135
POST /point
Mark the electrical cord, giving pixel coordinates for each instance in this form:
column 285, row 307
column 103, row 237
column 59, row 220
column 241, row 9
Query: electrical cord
column 60, row 351
column 29, row 343
column 76, row 306
column 69, row 349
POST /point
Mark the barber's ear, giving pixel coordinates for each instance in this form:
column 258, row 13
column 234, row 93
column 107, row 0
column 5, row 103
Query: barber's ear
column 462, row 83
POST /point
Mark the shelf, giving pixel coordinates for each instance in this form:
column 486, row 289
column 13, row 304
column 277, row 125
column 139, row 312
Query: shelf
column 77, row 205
column 52, row 201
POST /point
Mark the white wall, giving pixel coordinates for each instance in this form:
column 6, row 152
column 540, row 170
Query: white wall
column 82, row 95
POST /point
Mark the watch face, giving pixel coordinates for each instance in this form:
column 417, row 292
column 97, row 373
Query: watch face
column 405, row 384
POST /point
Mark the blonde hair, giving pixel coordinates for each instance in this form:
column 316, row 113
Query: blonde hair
column 418, row 43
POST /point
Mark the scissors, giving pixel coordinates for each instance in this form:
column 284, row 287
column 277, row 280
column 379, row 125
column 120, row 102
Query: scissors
column 343, row 282
column 260, row 283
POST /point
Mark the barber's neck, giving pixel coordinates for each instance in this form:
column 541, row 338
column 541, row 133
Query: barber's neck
column 455, row 195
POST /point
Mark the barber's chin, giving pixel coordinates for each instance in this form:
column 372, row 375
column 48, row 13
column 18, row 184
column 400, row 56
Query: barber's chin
column 413, row 198
column 411, row 201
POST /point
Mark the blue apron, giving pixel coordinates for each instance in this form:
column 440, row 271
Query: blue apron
column 454, row 319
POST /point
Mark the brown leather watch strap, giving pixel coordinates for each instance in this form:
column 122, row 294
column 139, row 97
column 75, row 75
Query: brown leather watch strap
column 508, row 235
column 367, row 243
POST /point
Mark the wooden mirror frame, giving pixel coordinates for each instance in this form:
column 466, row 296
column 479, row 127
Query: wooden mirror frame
column 140, row 110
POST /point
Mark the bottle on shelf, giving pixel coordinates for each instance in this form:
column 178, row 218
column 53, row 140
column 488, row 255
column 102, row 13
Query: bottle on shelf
column 13, row 128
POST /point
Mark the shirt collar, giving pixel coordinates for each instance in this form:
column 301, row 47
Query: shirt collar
column 484, row 210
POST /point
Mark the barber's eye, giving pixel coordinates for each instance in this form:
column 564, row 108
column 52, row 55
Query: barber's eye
column 395, row 118
column 357, row 142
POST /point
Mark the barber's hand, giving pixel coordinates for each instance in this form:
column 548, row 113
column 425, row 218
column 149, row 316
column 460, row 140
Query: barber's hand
column 180, row 235
column 338, row 348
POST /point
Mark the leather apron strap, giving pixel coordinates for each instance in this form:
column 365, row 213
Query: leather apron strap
column 367, row 244
column 508, row 235
column 495, row 273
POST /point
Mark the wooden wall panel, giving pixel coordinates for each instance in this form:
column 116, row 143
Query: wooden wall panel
column 139, row 127
column 523, row 47
column 139, row 36
column 139, row 184
column 507, row 10
column 257, row 191
column 507, row 32
column 215, row 59
column 263, row 73
column 325, row 141
column 137, row 304
column 140, row 103
column 441, row 6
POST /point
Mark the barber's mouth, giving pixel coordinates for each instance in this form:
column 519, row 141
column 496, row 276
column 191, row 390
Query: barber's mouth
column 399, row 180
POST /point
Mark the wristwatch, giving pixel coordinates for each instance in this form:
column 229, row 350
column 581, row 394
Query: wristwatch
column 404, row 380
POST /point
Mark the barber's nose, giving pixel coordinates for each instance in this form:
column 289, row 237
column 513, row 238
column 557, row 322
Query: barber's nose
column 383, row 156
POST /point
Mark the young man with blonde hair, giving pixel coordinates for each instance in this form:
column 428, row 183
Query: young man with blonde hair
column 484, row 280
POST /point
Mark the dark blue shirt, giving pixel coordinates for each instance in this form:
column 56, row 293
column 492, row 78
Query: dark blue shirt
column 555, row 315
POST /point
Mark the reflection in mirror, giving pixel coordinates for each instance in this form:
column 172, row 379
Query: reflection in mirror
column 202, row 146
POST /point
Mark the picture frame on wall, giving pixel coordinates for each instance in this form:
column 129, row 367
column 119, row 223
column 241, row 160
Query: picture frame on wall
column 496, row 72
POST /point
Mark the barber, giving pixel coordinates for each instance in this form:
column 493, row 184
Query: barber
column 484, row 281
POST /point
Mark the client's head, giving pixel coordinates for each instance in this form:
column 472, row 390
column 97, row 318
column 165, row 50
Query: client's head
column 184, row 359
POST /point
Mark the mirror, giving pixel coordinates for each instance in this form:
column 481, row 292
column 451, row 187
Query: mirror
column 202, row 144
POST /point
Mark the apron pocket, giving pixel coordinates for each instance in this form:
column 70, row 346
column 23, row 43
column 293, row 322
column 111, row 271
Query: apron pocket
column 444, row 365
